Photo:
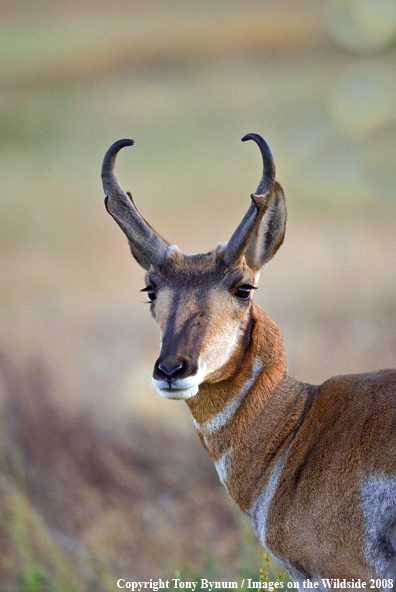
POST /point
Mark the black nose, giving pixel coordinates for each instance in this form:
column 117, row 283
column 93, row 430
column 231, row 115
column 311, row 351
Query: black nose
column 170, row 371
column 169, row 367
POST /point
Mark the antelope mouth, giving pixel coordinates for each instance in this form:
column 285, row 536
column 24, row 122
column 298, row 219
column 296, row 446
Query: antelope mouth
column 176, row 391
column 178, row 387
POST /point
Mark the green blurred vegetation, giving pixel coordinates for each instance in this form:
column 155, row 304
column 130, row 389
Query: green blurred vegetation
column 185, row 80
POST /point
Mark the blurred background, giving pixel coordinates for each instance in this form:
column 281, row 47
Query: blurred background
column 99, row 477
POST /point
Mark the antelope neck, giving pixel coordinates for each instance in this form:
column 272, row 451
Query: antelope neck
column 247, row 421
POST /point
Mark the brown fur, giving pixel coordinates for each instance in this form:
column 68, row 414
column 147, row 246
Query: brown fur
column 340, row 434
column 265, row 420
column 345, row 438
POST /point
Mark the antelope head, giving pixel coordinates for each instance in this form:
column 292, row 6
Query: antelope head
column 202, row 303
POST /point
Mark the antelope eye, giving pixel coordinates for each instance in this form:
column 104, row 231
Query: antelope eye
column 243, row 292
column 150, row 292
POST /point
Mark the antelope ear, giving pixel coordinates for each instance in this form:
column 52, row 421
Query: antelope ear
column 270, row 232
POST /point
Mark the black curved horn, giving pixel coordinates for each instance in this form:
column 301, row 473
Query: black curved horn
column 146, row 245
column 268, row 178
column 239, row 242
column 109, row 178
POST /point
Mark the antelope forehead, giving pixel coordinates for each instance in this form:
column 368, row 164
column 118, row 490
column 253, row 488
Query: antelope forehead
column 208, row 301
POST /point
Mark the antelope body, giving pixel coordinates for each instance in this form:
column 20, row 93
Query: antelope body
column 313, row 466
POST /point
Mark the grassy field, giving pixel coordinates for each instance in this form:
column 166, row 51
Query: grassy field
column 93, row 482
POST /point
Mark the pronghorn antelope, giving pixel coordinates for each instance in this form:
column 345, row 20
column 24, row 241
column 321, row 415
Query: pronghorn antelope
column 314, row 467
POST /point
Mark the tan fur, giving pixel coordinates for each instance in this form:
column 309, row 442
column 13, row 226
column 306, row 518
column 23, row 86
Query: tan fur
column 256, row 430
column 337, row 438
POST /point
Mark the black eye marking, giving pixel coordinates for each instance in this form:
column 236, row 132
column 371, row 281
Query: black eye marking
column 150, row 293
column 243, row 292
